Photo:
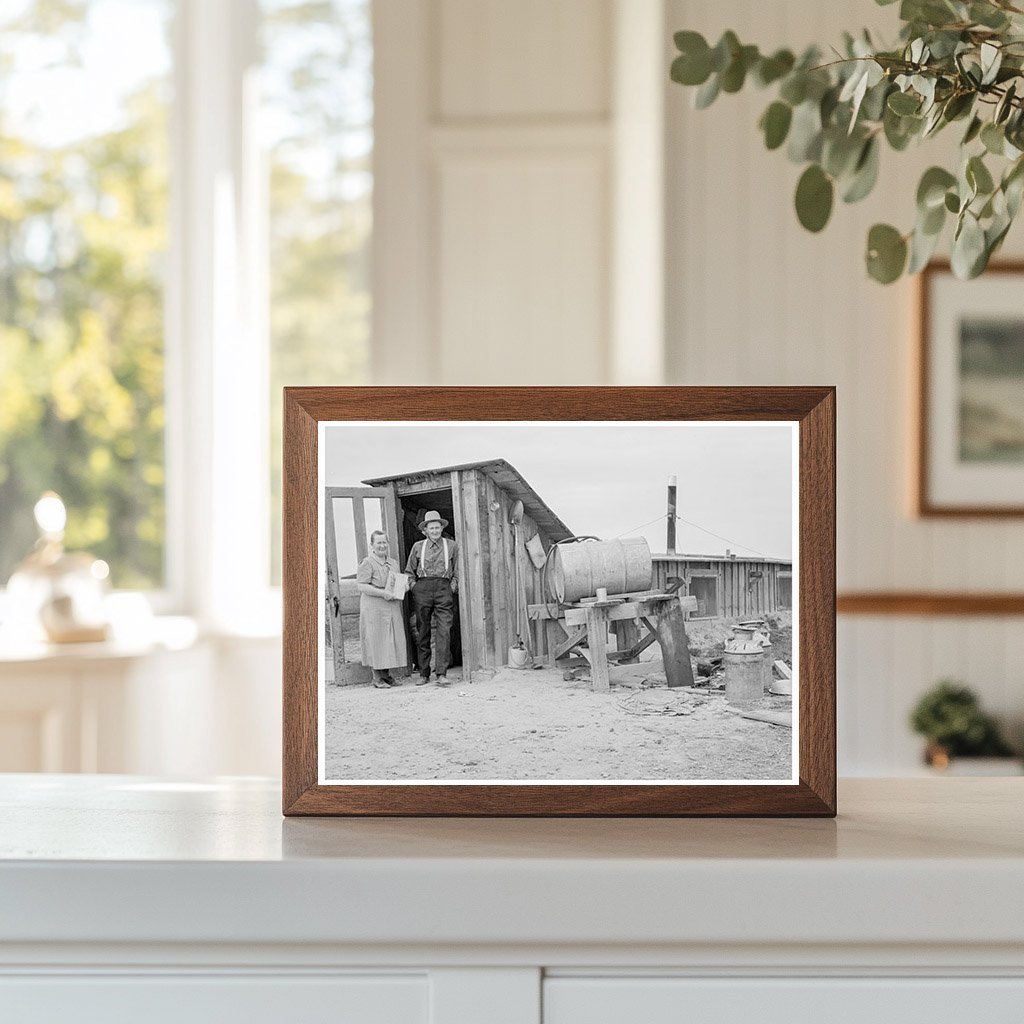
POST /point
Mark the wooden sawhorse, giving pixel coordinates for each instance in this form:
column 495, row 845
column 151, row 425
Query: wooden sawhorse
column 588, row 622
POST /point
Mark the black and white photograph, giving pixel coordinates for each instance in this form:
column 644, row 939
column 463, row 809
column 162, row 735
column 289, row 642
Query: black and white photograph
column 558, row 602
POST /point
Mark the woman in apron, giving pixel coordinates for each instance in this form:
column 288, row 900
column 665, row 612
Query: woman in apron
column 381, row 629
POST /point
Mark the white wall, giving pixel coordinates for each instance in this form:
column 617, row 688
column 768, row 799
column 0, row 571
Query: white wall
column 754, row 299
column 513, row 161
column 493, row 211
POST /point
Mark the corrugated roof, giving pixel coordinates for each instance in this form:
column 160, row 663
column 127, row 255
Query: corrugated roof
column 505, row 476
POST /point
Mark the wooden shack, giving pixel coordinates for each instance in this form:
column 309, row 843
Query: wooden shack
column 477, row 499
column 728, row 587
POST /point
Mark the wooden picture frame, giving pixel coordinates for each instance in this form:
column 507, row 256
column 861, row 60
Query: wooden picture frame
column 946, row 484
column 812, row 792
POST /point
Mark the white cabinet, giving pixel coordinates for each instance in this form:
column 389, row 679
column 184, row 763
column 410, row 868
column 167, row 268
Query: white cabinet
column 202, row 999
column 134, row 898
column 823, row 1000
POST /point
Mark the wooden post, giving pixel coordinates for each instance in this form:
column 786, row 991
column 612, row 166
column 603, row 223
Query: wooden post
column 333, row 593
column 627, row 635
column 671, row 515
column 669, row 625
column 597, row 650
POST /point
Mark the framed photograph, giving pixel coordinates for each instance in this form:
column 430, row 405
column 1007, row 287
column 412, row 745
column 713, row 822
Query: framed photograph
column 559, row 601
column 970, row 450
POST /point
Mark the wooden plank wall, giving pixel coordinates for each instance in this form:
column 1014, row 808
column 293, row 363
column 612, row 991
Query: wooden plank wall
column 735, row 598
column 488, row 569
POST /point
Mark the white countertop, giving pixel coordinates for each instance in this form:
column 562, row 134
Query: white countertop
column 124, row 859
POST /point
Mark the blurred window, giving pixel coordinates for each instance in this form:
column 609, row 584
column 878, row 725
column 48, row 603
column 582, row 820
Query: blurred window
column 317, row 129
column 83, row 243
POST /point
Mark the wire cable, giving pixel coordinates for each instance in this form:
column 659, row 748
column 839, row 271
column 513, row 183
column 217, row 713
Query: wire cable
column 664, row 515
column 734, row 543
column 633, row 529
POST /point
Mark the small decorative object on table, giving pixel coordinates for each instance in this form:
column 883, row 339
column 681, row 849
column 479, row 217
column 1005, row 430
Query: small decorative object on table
column 606, row 617
column 950, row 717
column 54, row 593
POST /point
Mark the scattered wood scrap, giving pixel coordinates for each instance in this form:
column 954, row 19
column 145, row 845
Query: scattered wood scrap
column 785, row 672
column 783, row 718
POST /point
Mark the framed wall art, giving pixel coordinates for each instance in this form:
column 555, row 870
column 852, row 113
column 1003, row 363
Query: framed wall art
column 559, row 601
column 970, row 444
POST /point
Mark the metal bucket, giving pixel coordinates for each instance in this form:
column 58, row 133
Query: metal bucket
column 744, row 675
column 619, row 566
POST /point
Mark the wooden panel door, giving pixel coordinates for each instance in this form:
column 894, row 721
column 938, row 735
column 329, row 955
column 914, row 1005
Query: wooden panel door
column 350, row 515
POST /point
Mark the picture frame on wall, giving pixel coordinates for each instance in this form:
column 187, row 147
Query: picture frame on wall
column 559, row 601
column 970, row 385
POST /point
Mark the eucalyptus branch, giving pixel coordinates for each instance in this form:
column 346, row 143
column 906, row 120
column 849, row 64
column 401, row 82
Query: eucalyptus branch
column 833, row 117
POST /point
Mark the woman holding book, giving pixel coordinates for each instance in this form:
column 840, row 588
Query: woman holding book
column 381, row 629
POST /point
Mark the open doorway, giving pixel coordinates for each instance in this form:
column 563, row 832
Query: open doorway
column 412, row 509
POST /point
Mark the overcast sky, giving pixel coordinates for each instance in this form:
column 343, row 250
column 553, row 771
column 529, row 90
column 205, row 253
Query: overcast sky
column 608, row 479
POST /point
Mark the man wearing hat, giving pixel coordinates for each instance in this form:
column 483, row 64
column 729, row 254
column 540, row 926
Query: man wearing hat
column 433, row 566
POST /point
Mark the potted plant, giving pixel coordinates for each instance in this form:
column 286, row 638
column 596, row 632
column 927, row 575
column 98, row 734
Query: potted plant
column 956, row 62
column 950, row 717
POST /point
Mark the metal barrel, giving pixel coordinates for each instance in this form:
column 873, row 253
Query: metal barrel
column 620, row 566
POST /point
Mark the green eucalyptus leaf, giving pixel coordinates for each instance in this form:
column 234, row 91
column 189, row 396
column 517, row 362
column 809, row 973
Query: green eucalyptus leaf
column 775, row 124
column 973, row 130
column 865, row 173
column 725, row 50
column 814, row 193
column 873, row 106
column 991, row 60
column 900, row 130
column 688, row 42
column 932, row 220
column 886, row 253
column 1013, row 187
column 922, row 247
column 978, row 176
column 1005, row 104
column 805, row 133
column 952, row 202
column 934, row 122
column 794, row 88
column 944, row 44
column 994, row 236
column 828, row 105
column 1014, row 192
column 930, row 12
column 708, row 92
column 958, row 105
column 993, row 138
column 839, row 151
column 771, row 69
column 968, row 247
column 735, row 74
column 931, row 190
column 690, row 69
column 987, row 15
column 903, row 103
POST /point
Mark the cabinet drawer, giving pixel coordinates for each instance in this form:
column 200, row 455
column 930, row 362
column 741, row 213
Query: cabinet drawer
column 202, row 999
column 662, row 1000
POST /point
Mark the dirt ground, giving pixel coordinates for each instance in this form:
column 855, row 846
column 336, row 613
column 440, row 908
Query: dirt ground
column 534, row 724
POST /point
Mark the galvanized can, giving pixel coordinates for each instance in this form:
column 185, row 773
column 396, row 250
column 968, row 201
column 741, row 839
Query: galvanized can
column 744, row 675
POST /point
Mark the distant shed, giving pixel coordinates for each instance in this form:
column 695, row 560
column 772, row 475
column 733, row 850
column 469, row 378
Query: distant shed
column 477, row 499
column 727, row 587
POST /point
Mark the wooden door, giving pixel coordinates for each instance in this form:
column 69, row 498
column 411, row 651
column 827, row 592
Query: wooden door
column 350, row 515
